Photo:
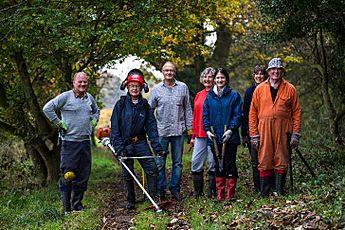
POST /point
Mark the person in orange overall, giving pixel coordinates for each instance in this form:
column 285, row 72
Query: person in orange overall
column 275, row 111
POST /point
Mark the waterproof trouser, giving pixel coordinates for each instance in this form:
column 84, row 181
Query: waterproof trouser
column 77, row 197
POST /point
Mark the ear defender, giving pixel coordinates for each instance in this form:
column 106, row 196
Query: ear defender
column 123, row 84
column 146, row 87
column 137, row 76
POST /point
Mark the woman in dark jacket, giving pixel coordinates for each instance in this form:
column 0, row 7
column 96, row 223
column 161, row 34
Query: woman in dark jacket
column 259, row 75
column 132, row 121
column 222, row 116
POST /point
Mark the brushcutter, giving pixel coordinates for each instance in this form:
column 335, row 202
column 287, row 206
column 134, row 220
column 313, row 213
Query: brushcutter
column 106, row 142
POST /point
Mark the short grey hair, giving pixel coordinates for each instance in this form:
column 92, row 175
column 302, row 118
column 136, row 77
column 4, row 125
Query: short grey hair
column 208, row 70
column 78, row 74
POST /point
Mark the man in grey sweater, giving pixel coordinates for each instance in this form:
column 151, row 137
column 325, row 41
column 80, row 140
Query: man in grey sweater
column 79, row 114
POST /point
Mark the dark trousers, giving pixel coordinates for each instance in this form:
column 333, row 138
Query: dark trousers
column 75, row 157
column 229, row 161
column 139, row 149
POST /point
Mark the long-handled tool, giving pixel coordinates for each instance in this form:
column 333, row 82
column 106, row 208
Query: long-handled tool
column 290, row 163
column 106, row 142
column 216, row 150
column 224, row 145
column 305, row 162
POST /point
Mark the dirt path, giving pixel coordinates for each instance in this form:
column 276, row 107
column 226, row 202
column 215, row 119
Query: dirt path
column 117, row 217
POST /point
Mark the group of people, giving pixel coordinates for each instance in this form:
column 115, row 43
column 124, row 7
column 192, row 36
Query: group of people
column 270, row 121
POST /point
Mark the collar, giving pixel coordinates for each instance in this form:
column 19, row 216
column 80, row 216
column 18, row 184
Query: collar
column 175, row 83
column 280, row 83
column 84, row 96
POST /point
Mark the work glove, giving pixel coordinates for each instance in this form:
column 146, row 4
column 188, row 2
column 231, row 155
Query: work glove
column 160, row 153
column 62, row 125
column 123, row 154
column 210, row 135
column 294, row 141
column 226, row 136
column 255, row 143
column 191, row 143
column 93, row 123
column 245, row 141
column 189, row 135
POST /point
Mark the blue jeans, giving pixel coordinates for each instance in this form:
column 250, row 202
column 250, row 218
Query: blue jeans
column 176, row 143
column 201, row 151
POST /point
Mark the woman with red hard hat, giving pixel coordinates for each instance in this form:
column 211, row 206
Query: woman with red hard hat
column 132, row 125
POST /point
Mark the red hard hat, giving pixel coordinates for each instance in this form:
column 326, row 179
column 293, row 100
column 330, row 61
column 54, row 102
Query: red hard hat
column 135, row 77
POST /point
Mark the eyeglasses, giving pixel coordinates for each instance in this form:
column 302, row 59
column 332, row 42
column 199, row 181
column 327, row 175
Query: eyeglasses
column 134, row 86
column 168, row 70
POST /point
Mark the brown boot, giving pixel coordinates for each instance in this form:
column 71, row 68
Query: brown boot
column 220, row 184
column 231, row 186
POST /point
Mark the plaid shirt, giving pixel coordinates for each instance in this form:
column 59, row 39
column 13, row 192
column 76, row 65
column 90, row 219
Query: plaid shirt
column 172, row 108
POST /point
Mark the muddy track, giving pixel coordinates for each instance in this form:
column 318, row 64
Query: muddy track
column 115, row 216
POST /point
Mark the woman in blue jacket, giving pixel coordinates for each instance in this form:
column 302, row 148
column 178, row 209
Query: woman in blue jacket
column 222, row 116
column 132, row 121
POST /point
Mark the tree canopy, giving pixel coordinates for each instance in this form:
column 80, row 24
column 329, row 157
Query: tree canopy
column 45, row 42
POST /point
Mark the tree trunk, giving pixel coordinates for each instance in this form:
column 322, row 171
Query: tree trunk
column 50, row 158
column 38, row 162
column 221, row 51
column 29, row 93
column 332, row 112
column 36, row 137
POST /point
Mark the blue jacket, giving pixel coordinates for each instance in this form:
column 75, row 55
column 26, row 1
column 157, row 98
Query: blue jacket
column 129, row 120
column 224, row 110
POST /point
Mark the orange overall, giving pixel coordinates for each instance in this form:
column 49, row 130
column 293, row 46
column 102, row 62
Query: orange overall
column 271, row 121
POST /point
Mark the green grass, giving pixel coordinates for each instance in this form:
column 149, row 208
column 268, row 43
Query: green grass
column 318, row 200
column 42, row 209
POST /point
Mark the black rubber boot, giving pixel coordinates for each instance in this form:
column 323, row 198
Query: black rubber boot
column 130, row 195
column 256, row 179
column 77, row 197
column 152, row 186
column 211, row 188
column 66, row 201
column 265, row 186
column 198, row 182
column 280, row 183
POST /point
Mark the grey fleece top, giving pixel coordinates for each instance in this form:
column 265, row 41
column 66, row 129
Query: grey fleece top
column 77, row 113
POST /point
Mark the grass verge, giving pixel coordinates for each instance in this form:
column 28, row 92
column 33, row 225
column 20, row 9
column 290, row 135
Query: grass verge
column 42, row 208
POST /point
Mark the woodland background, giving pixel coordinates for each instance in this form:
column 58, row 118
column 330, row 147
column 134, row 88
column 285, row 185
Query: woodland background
column 43, row 43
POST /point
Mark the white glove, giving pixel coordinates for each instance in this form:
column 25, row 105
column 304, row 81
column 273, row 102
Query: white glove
column 210, row 135
column 227, row 135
